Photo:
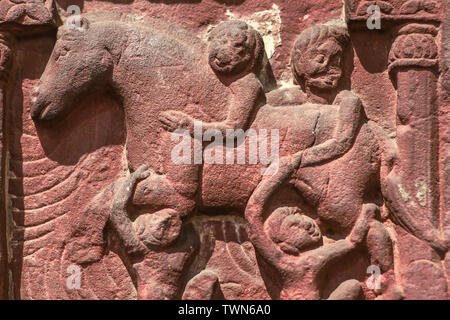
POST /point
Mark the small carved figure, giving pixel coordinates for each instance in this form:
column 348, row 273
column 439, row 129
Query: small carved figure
column 236, row 52
column 155, row 242
column 316, row 62
column 292, row 242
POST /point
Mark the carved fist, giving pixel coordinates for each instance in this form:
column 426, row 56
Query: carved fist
column 347, row 97
column 173, row 120
column 124, row 187
column 369, row 213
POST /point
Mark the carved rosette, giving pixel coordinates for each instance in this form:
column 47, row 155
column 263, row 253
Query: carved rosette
column 415, row 46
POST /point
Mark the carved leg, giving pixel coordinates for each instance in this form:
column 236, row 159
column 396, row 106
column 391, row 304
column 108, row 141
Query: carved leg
column 160, row 271
column 380, row 247
column 347, row 290
column 202, row 286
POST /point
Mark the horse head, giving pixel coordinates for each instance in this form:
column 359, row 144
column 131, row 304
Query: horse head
column 80, row 61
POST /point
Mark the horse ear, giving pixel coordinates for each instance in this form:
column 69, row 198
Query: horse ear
column 75, row 22
column 84, row 23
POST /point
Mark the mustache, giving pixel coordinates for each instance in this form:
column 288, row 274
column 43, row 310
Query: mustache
column 332, row 72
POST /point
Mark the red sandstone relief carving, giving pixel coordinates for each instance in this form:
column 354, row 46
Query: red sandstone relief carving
column 98, row 190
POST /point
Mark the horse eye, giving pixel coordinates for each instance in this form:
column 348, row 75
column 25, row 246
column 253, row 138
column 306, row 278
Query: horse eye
column 320, row 58
column 61, row 52
column 238, row 44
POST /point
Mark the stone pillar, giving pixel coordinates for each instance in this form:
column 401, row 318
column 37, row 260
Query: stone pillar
column 444, row 116
column 5, row 66
column 414, row 70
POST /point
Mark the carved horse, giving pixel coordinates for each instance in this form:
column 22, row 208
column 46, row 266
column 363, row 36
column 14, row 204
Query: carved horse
column 153, row 67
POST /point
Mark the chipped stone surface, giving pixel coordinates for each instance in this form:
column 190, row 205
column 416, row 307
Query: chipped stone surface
column 341, row 191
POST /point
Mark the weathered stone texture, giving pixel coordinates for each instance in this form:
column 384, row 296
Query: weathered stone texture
column 350, row 201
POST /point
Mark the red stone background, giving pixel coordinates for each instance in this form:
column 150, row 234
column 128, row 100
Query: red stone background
column 83, row 156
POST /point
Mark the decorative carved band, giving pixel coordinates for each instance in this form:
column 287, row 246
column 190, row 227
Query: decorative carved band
column 415, row 46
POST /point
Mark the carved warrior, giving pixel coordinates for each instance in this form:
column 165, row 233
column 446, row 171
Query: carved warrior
column 334, row 161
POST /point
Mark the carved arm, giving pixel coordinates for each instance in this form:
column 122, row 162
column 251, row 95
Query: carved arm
column 350, row 115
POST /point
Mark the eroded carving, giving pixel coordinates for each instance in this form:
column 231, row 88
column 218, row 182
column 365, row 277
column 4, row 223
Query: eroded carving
column 343, row 186
column 27, row 12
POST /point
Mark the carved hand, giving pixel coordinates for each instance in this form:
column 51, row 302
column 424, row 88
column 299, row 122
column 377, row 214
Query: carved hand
column 123, row 191
column 369, row 212
column 173, row 120
column 348, row 97
column 124, row 187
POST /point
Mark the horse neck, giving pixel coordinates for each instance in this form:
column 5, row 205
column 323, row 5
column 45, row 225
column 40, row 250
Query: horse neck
column 116, row 41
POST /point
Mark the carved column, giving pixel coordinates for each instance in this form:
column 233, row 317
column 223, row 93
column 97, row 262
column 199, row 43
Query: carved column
column 5, row 66
column 413, row 188
column 444, row 115
column 413, row 68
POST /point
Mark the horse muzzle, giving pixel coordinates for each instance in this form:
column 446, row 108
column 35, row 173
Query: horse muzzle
column 40, row 106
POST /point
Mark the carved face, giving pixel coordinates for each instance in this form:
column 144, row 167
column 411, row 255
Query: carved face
column 75, row 65
column 322, row 65
column 158, row 229
column 300, row 231
column 231, row 51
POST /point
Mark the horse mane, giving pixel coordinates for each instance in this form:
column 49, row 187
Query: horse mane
column 143, row 21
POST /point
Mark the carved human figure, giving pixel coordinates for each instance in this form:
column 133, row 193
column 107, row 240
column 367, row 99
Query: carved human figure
column 292, row 241
column 316, row 62
column 236, row 52
column 153, row 241
column 235, row 55
column 156, row 246
column 317, row 66
column 170, row 192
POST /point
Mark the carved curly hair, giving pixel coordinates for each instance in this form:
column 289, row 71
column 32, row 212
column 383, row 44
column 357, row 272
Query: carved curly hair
column 314, row 36
column 250, row 39
column 274, row 224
